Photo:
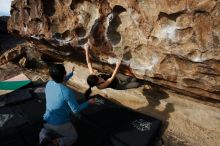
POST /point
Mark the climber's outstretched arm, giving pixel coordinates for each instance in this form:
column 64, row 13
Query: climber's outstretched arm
column 110, row 80
column 89, row 63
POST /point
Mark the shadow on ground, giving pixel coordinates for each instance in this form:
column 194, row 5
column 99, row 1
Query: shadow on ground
column 156, row 97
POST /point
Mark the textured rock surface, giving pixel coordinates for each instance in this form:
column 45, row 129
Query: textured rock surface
column 174, row 43
column 16, row 49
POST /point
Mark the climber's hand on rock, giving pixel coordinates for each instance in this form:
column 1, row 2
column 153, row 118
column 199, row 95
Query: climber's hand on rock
column 86, row 46
column 89, row 42
column 118, row 63
column 73, row 68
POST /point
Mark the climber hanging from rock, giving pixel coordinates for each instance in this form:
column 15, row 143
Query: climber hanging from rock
column 116, row 80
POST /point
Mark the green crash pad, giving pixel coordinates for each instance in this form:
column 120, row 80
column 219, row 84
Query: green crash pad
column 13, row 85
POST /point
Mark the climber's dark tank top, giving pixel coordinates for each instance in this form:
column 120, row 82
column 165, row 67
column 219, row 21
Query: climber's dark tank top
column 113, row 83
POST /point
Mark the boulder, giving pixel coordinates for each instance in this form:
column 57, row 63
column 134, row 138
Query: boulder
column 173, row 43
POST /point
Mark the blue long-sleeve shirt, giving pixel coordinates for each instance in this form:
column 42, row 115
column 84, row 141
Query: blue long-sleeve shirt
column 60, row 102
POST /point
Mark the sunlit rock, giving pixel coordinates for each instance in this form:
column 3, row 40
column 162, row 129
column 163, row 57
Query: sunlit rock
column 173, row 43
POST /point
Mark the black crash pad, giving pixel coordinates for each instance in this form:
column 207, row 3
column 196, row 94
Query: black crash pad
column 119, row 126
column 15, row 97
column 11, row 118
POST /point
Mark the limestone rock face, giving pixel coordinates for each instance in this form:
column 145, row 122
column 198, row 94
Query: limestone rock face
column 174, row 43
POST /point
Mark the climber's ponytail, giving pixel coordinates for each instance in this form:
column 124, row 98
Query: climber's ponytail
column 87, row 93
column 92, row 81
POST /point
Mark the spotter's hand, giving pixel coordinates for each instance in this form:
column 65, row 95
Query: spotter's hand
column 73, row 68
